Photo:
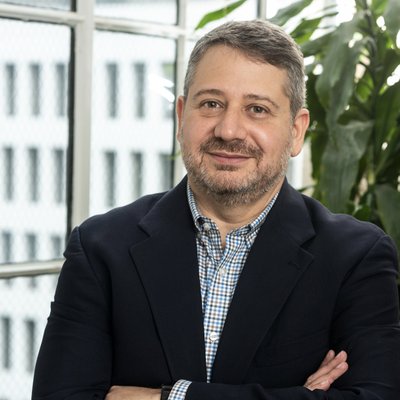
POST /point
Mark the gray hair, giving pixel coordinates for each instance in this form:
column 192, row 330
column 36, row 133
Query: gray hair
column 261, row 41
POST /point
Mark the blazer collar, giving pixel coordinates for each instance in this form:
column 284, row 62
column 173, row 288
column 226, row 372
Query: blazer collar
column 273, row 267
column 167, row 264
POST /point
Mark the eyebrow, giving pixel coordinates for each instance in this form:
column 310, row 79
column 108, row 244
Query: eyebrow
column 250, row 96
column 264, row 98
column 202, row 92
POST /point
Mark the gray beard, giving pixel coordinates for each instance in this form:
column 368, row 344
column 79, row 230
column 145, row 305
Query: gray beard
column 227, row 194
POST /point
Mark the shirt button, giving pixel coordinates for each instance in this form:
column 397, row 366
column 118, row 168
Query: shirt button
column 206, row 226
column 213, row 337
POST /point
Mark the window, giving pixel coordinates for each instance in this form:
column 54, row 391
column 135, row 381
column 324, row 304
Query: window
column 36, row 85
column 168, row 89
column 56, row 246
column 110, row 178
column 31, row 246
column 6, row 246
column 5, row 342
column 11, row 91
column 166, row 168
column 61, row 89
column 9, row 171
column 112, row 89
column 33, row 174
column 51, row 4
column 59, row 173
column 30, row 328
column 137, row 174
column 44, row 172
column 139, row 89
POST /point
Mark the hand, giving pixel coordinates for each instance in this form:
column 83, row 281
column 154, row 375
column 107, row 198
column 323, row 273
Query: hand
column 332, row 367
column 132, row 393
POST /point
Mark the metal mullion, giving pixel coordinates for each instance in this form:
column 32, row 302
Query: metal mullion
column 34, row 14
column 138, row 27
column 82, row 113
column 30, row 269
column 180, row 76
column 262, row 9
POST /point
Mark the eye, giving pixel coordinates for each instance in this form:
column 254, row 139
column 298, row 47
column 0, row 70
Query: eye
column 258, row 110
column 210, row 104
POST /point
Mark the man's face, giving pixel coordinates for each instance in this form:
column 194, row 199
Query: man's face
column 235, row 128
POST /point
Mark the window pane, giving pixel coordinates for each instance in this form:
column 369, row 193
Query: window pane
column 112, row 89
column 30, row 334
column 59, row 175
column 168, row 89
column 33, row 171
column 55, row 4
column 6, row 247
column 5, row 342
column 110, row 178
column 137, row 175
column 61, row 81
column 139, row 89
column 35, row 75
column 10, row 79
column 133, row 97
column 24, row 308
column 163, row 11
column 34, row 61
column 8, row 171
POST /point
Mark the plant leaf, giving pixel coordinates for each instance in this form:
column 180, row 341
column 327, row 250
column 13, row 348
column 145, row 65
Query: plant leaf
column 305, row 29
column 388, row 169
column 286, row 13
column 388, row 202
column 336, row 84
column 378, row 6
column 392, row 18
column 218, row 14
column 363, row 213
column 387, row 112
column 340, row 161
column 315, row 46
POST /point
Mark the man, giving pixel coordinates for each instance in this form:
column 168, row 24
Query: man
column 231, row 285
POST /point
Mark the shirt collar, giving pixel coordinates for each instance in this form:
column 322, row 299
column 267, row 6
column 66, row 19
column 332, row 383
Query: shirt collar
column 253, row 226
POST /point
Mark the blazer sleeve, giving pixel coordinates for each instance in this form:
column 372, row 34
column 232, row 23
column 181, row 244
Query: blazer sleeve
column 74, row 360
column 365, row 324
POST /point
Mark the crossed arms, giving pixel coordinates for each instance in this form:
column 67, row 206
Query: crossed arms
column 332, row 367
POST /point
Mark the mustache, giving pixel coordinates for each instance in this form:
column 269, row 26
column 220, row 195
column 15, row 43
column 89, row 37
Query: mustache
column 234, row 146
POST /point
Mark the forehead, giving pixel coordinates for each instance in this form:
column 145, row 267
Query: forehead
column 232, row 71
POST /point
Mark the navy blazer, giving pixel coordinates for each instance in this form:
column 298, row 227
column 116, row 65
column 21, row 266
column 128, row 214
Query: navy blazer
column 127, row 309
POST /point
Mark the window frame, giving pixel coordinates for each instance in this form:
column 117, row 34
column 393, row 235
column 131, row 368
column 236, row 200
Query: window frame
column 84, row 23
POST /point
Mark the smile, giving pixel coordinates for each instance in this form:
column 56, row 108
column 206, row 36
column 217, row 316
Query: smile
column 228, row 158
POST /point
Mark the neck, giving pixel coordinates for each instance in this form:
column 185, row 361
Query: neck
column 229, row 217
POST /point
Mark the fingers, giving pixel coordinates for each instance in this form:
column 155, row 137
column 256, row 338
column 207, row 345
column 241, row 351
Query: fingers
column 331, row 368
column 330, row 355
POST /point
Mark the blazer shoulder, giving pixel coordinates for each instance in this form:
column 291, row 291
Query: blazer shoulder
column 120, row 221
column 342, row 227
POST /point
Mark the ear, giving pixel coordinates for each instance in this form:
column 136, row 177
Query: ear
column 299, row 129
column 180, row 108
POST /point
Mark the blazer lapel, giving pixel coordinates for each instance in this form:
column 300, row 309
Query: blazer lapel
column 167, row 265
column 273, row 267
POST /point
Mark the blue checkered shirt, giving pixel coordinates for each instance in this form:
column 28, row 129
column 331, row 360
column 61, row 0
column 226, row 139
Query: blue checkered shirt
column 219, row 271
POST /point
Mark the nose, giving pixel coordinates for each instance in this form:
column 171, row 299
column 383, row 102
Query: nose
column 230, row 126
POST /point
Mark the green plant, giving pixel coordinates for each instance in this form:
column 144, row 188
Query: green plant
column 354, row 99
column 355, row 112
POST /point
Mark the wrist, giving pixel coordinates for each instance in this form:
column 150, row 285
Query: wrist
column 165, row 391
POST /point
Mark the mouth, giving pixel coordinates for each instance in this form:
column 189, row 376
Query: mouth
column 222, row 157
